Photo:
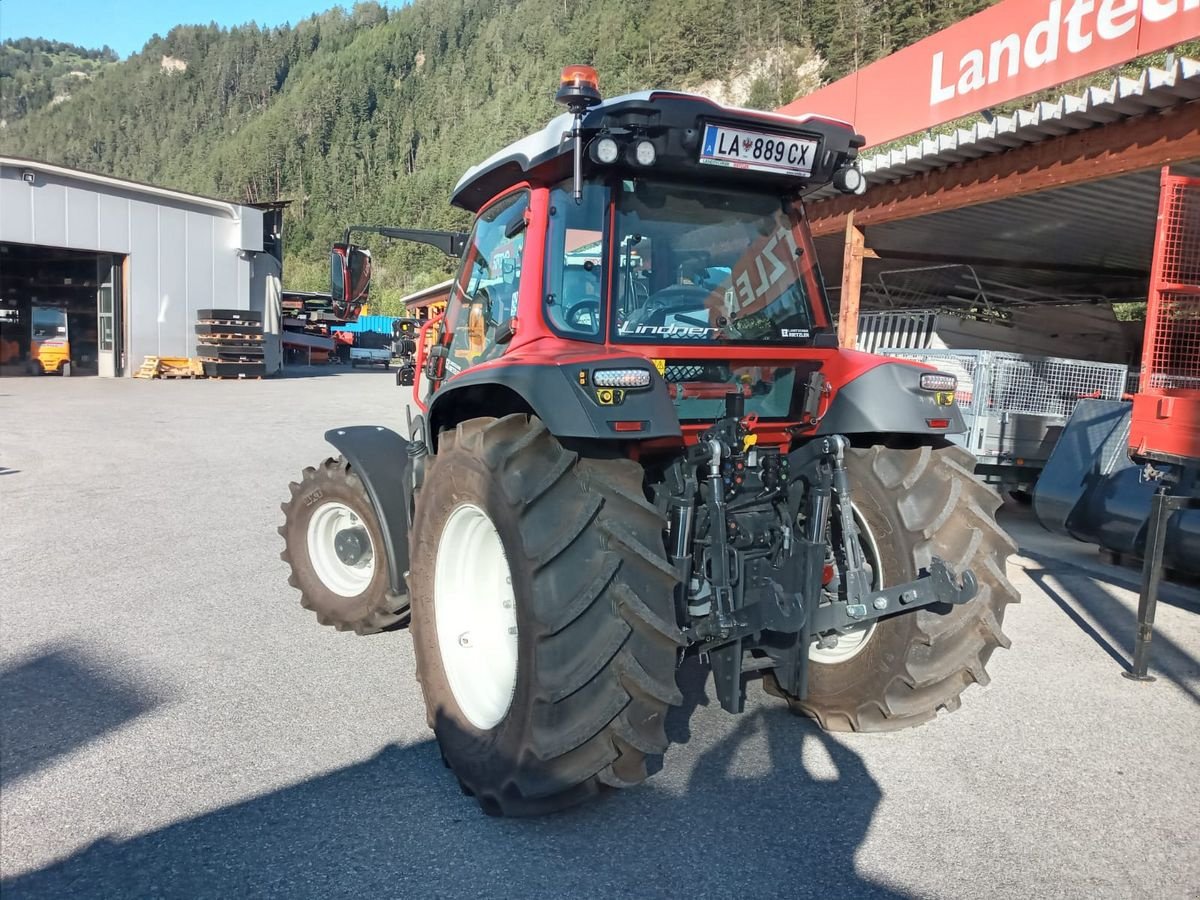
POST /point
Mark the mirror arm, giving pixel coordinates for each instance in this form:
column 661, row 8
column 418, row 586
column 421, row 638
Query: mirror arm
column 452, row 243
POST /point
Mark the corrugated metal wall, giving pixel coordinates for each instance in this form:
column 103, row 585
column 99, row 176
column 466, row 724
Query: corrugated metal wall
column 183, row 255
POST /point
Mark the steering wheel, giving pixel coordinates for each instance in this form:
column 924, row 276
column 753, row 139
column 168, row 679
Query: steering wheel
column 591, row 306
column 678, row 295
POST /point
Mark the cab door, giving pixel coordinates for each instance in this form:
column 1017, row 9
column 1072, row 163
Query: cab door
column 483, row 299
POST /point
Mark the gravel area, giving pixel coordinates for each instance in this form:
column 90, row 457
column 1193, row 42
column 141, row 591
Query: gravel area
column 172, row 723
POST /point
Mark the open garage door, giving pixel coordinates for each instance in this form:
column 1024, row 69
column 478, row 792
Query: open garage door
column 60, row 311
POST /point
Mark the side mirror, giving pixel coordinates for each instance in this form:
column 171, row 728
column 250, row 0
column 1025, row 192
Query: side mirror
column 349, row 280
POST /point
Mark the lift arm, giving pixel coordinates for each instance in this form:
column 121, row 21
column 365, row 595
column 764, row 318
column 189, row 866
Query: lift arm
column 449, row 242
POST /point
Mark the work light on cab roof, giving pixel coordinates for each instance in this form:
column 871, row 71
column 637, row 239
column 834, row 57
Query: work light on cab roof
column 669, row 134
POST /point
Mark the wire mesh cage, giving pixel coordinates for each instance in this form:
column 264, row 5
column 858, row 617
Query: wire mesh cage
column 1172, row 356
column 1166, row 412
column 999, row 382
column 1046, row 386
column 1013, row 405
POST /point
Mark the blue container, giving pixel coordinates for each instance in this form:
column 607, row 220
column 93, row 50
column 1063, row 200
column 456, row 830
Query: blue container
column 377, row 324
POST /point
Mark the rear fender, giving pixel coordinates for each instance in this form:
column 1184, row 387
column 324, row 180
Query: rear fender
column 380, row 458
column 888, row 399
column 563, row 397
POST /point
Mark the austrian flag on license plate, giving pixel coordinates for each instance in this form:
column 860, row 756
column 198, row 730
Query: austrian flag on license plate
column 757, row 150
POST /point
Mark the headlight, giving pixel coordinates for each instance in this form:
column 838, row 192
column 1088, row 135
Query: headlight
column 938, row 381
column 621, row 378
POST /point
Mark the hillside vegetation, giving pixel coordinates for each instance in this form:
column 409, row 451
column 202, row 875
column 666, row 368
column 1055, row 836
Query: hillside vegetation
column 371, row 115
column 36, row 73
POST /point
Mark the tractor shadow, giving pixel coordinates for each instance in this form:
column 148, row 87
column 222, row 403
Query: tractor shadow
column 58, row 701
column 742, row 815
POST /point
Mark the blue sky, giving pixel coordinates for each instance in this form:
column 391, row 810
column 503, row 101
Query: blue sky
column 126, row 25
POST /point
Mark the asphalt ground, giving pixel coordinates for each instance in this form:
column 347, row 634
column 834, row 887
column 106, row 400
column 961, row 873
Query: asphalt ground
column 174, row 724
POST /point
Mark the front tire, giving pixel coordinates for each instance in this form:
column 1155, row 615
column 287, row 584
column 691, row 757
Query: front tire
column 334, row 547
column 913, row 505
column 590, row 599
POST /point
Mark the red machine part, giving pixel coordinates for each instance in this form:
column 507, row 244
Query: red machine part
column 1166, row 409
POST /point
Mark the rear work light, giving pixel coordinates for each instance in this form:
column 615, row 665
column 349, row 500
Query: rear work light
column 938, row 381
column 644, row 153
column 850, row 181
column 606, row 150
column 621, row 378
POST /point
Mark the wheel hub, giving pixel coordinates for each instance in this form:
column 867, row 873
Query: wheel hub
column 475, row 611
column 352, row 544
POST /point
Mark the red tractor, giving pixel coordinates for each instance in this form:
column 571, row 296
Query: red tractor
column 639, row 440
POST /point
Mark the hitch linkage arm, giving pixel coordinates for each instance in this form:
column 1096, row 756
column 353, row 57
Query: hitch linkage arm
column 937, row 587
column 862, row 604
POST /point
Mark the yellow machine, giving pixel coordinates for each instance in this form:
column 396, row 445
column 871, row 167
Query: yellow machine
column 49, row 342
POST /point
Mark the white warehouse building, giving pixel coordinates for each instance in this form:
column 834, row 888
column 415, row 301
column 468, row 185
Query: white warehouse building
column 129, row 265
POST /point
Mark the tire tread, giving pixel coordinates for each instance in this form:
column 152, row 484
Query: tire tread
column 946, row 512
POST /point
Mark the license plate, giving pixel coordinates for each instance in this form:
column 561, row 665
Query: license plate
column 757, row 150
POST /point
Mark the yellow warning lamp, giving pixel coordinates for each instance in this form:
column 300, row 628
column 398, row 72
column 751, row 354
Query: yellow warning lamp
column 579, row 90
column 580, row 86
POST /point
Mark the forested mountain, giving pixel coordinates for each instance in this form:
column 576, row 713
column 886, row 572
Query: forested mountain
column 35, row 73
column 371, row 115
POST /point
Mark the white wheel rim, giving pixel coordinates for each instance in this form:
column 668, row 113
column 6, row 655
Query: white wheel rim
column 344, row 578
column 476, row 614
column 854, row 641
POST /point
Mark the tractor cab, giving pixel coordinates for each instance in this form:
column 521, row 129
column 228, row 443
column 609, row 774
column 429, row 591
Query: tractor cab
column 658, row 225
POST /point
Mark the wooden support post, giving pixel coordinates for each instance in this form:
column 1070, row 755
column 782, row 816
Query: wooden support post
column 852, row 262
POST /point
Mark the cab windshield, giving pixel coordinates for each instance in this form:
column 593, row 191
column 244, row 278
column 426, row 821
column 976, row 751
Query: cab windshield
column 49, row 323
column 706, row 265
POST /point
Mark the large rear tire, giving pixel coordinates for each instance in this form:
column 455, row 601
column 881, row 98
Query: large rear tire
column 334, row 546
column 913, row 505
column 580, row 589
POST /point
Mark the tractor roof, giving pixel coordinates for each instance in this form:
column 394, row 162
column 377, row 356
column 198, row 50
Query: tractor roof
column 546, row 154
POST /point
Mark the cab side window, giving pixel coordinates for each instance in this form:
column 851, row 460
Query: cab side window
column 574, row 283
column 484, row 296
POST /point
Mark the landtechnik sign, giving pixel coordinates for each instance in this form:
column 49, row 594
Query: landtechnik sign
column 1009, row 50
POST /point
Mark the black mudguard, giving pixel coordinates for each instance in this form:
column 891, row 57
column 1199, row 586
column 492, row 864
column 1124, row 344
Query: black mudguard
column 564, row 398
column 380, row 458
column 888, row 399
